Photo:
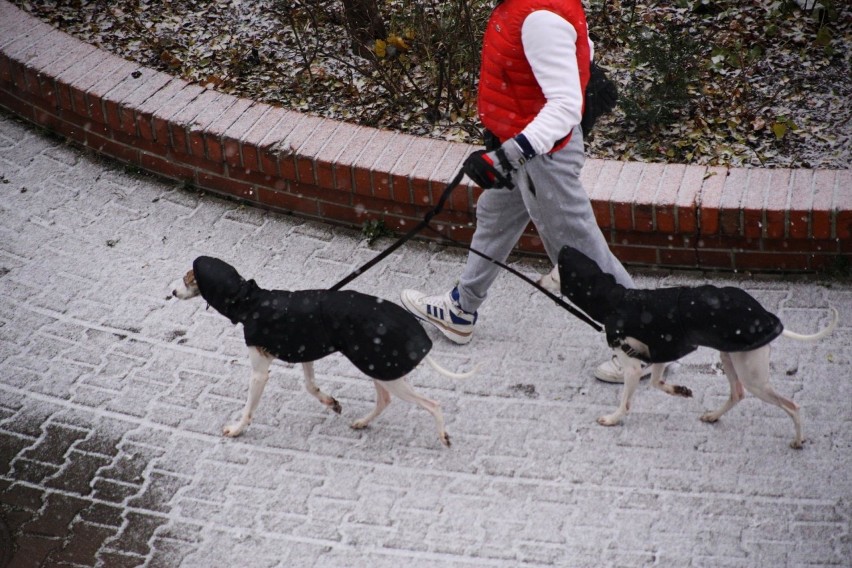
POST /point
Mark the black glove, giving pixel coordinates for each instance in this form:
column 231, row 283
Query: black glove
column 494, row 169
column 601, row 98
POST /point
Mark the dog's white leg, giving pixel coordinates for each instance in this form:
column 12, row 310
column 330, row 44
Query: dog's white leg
column 753, row 370
column 657, row 371
column 383, row 399
column 737, row 392
column 312, row 388
column 405, row 391
column 260, row 363
column 632, row 374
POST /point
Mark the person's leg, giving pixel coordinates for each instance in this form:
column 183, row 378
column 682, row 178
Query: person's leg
column 501, row 218
column 561, row 210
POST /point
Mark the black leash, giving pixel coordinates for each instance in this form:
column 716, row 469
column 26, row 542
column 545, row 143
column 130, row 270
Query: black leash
column 425, row 224
column 559, row 301
column 407, row 236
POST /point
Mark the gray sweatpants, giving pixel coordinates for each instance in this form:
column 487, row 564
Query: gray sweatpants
column 548, row 192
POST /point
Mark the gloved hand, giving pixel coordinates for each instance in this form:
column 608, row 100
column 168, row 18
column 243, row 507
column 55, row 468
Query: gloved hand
column 494, row 169
column 601, row 98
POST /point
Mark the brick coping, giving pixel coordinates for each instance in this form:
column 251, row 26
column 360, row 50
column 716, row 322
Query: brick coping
column 666, row 215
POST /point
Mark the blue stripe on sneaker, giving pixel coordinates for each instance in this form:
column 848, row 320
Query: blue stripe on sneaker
column 458, row 320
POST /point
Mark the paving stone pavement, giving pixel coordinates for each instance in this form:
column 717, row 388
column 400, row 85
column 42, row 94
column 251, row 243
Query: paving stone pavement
column 113, row 395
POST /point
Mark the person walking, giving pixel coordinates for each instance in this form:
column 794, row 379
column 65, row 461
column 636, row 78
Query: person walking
column 536, row 63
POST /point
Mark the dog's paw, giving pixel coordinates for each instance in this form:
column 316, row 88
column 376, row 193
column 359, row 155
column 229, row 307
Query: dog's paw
column 797, row 444
column 233, row 430
column 359, row 424
column 334, row 405
column 709, row 417
column 609, row 420
column 679, row 390
column 445, row 439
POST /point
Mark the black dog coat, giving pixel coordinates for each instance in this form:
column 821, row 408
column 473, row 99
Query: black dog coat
column 672, row 322
column 381, row 338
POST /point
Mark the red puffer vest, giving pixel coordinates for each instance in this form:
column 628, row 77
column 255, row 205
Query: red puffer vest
column 509, row 95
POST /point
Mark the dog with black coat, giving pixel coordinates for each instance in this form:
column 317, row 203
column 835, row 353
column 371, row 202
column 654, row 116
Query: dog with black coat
column 660, row 326
column 382, row 339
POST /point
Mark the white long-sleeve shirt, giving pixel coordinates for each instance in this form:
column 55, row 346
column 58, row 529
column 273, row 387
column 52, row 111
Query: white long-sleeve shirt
column 549, row 43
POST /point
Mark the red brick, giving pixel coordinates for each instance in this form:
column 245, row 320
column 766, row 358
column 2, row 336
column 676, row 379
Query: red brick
column 686, row 257
column 173, row 123
column 601, row 191
column 422, row 172
column 824, row 188
column 340, row 213
column 214, row 133
column 752, row 202
column 65, row 81
column 271, row 149
column 688, row 199
column 715, row 259
column 121, row 152
column 766, row 261
column 232, row 138
column 163, row 115
column 365, row 161
column 843, row 220
column 122, row 102
column 252, row 176
column 97, row 84
column 801, row 200
column 711, row 196
column 50, row 48
column 49, row 71
column 152, row 116
column 788, row 245
column 289, row 146
column 776, row 204
column 306, row 152
column 664, row 212
column 409, row 158
column 624, row 194
column 196, row 128
column 166, row 167
column 225, row 185
column 632, row 254
column 249, row 144
column 284, row 201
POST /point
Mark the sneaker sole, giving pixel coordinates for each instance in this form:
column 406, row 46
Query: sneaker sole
column 457, row 337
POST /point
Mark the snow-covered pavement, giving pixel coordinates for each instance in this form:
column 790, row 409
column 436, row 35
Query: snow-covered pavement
column 113, row 396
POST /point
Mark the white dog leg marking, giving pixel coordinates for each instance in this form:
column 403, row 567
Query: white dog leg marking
column 312, row 388
column 737, row 392
column 632, row 374
column 383, row 399
column 403, row 390
column 753, row 370
column 260, row 363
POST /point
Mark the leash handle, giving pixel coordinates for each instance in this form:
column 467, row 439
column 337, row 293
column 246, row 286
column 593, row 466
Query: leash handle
column 399, row 242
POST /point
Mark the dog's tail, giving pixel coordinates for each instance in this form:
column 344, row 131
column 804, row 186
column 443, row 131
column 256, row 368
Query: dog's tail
column 448, row 373
column 817, row 335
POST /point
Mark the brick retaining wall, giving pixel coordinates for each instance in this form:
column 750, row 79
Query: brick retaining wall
column 652, row 214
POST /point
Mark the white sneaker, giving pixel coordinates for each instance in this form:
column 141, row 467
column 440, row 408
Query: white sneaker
column 612, row 372
column 442, row 311
column 550, row 281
